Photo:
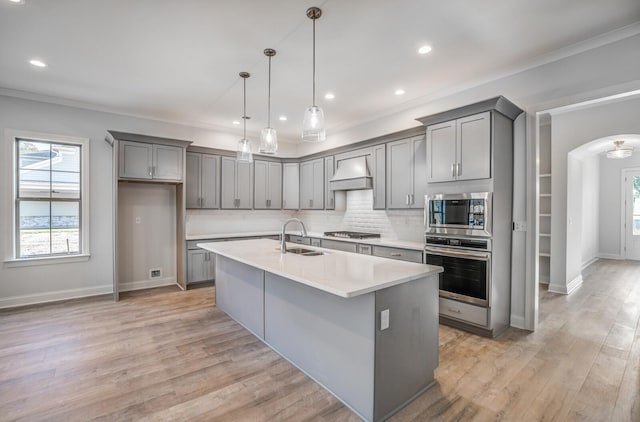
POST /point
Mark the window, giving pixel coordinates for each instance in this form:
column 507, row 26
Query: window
column 50, row 201
column 636, row 205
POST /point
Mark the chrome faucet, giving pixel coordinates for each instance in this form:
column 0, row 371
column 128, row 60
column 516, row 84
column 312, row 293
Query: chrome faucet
column 283, row 244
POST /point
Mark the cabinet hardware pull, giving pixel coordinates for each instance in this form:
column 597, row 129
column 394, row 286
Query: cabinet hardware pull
column 412, row 200
column 151, row 171
column 459, row 168
column 396, row 254
column 456, row 311
column 453, row 169
column 311, row 203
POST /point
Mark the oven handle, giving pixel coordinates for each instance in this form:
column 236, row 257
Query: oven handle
column 457, row 253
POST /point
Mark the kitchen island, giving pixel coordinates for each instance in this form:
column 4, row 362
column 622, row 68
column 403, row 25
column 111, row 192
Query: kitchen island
column 365, row 328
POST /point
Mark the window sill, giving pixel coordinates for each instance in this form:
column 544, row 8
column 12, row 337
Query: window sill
column 49, row 260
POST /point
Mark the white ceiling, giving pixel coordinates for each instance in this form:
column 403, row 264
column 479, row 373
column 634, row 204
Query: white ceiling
column 179, row 60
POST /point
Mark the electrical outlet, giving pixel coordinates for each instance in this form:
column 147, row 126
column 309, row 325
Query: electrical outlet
column 155, row 273
column 519, row 226
column 138, row 220
column 384, row 319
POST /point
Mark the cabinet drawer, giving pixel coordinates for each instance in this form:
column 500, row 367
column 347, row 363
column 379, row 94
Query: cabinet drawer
column 364, row 249
column 396, row 253
column 299, row 239
column 464, row 311
column 316, row 242
column 339, row 246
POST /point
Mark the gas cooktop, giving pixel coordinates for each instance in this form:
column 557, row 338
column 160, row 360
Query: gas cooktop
column 352, row 235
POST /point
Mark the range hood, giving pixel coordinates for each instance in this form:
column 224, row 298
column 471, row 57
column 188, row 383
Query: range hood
column 352, row 174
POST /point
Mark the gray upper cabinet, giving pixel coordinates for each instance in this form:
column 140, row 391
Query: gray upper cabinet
column 291, row 186
column 312, row 184
column 268, row 185
column 406, row 173
column 379, row 177
column 459, row 149
column 144, row 161
column 202, row 180
column 329, row 171
column 236, row 184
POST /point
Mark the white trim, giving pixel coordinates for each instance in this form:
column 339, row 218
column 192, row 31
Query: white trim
column 518, row 322
column 623, row 208
column 146, row 284
column 569, row 288
column 10, row 302
column 610, row 256
column 47, row 260
column 586, row 264
column 10, row 186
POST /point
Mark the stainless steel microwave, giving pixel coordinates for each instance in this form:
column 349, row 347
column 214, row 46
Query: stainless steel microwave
column 467, row 214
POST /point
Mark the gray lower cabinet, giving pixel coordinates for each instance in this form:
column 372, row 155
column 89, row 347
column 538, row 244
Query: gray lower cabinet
column 237, row 184
column 202, row 180
column 339, row 246
column 312, row 184
column 200, row 266
column 329, row 171
column 301, row 240
column 267, row 185
column 379, row 177
column 406, row 173
column 397, row 253
column 466, row 312
column 291, row 186
column 315, row 242
column 145, row 161
column 364, row 249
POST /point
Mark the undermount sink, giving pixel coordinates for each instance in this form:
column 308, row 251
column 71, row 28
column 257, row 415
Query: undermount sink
column 306, row 252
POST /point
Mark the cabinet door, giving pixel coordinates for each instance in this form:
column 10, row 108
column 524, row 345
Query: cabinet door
column 244, row 185
column 306, row 185
column 167, row 162
column 329, row 171
column 291, row 186
column 419, row 172
column 318, row 184
column 135, row 160
column 228, row 182
column 261, row 184
column 192, row 182
column 379, row 177
column 474, row 147
column 275, row 186
column 197, row 266
column 399, row 177
column 441, row 152
column 210, row 266
column 210, row 181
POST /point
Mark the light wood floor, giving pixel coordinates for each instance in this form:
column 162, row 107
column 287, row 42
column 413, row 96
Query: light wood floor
column 169, row 355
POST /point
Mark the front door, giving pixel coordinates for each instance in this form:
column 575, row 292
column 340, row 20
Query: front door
column 632, row 214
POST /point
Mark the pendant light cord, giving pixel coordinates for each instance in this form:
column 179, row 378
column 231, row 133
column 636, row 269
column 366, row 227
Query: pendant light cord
column 269, row 97
column 314, row 62
column 244, row 115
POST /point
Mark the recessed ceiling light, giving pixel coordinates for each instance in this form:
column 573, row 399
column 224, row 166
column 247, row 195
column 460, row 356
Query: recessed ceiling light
column 38, row 63
column 424, row 49
column 283, row 118
column 329, row 96
column 17, row 1
column 399, row 91
column 235, row 122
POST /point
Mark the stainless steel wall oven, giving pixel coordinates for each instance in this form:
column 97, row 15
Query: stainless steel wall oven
column 467, row 267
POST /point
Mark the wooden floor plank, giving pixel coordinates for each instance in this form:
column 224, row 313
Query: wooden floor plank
column 165, row 355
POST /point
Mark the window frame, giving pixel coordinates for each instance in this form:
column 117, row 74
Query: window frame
column 12, row 177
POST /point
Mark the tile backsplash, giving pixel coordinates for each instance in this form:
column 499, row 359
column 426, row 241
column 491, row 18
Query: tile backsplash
column 359, row 215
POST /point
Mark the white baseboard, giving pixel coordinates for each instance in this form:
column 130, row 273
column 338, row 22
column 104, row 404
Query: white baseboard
column 568, row 288
column 589, row 262
column 10, row 302
column 146, row 284
column 517, row 321
column 610, row 256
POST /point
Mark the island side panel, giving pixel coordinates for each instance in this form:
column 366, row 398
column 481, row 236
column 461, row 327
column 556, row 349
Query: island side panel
column 407, row 351
column 240, row 293
column 329, row 337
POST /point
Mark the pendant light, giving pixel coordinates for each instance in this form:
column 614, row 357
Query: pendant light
column 244, row 145
column 269, row 136
column 313, row 123
column 619, row 151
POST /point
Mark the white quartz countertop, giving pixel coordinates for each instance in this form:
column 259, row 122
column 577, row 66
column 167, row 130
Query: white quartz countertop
column 340, row 273
column 405, row 244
